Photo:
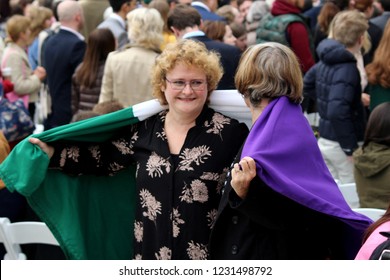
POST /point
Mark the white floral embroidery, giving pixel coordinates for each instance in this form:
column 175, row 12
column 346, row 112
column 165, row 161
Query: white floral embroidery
column 196, row 192
column 95, row 152
column 72, row 153
column 115, row 167
column 123, row 146
column 164, row 254
column 211, row 217
column 217, row 123
column 138, row 231
column 176, row 221
column 161, row 135
column 197, row 251
column 153, row 207
column 195, row 155
column 199, row 191
column 155, row 164
column 210, row 176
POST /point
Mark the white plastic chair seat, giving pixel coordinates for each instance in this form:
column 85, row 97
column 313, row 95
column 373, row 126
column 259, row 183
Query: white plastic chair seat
column 14, row 234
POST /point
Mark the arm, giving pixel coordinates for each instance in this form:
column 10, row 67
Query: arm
column 309, row 84
column 25, row 81
column 101, row 159
column 344, row 102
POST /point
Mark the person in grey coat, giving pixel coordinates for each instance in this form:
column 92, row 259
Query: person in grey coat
column 116, row 22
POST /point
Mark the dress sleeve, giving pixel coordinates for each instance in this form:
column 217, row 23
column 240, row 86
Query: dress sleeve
column 100, row 159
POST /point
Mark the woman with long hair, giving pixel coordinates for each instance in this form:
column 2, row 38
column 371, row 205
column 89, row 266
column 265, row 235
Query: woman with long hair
column 87, row 79
column 378, row 72
column 372, row 160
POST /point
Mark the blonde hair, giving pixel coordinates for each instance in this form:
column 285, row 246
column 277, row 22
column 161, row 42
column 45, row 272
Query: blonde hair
column 145, row 27
column 191, row 53
column 15, row 26
column 347, row 27
column 38, row 16
column 269, row 70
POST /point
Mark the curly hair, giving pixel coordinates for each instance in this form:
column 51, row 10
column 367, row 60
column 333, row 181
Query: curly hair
column 145, row 27
column 191, row 53
column 269, row 70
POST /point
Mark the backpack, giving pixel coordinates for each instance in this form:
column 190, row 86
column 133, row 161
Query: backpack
column 274, row 29
column 382, row 251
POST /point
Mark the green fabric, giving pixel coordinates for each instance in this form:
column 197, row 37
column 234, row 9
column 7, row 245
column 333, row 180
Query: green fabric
column 274, row 29
column 91, row 217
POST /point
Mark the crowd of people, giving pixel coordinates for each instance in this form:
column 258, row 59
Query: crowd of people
column 207, row 186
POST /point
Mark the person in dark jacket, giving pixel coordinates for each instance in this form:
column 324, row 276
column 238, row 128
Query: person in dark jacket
column 87, row 79
column 185, row 22
column 334, row 82
column 279, row 200
column 63, row 52
column 372, row 160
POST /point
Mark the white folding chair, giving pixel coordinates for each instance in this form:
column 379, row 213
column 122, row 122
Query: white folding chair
column 350, row 194
column 14, row 234
column 373, row 213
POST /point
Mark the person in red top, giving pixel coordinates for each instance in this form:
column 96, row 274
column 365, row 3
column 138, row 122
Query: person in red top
column 297, row 31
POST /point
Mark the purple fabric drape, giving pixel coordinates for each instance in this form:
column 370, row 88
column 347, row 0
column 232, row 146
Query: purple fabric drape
column 289, row 161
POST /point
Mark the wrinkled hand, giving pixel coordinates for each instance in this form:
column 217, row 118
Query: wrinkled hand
column 49, row 150
column 242, row 174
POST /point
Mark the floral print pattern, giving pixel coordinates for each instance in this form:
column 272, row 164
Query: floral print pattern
column 177, row 195
column 155, row 164
column 197, row 251
column 153, row 207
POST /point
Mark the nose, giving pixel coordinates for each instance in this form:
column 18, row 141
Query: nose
column 187, row 88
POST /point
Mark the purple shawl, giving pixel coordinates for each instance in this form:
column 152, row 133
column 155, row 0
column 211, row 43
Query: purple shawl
column 289, row 161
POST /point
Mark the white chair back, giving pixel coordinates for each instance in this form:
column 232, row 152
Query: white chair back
column 373, row 213
column 14, row 234
column 350, row 194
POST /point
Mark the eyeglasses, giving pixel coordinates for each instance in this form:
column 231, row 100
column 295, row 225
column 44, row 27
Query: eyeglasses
column 195, row 85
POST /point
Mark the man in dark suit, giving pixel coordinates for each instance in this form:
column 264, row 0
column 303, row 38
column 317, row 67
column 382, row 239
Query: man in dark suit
column 185, row 23
column 206, row 9
column 63, row 52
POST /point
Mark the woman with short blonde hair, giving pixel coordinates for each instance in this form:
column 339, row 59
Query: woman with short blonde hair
column 191, row 53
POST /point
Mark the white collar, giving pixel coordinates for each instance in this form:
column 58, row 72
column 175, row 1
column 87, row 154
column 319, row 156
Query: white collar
column 200, row 4
column 119, row 18
column 81, row 37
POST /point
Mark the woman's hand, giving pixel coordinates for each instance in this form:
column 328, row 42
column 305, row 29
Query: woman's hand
column 242, row 174
column 49, row 150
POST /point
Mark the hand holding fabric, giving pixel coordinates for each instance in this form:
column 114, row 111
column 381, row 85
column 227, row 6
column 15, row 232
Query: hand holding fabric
column 49, row 150
column 242, row 174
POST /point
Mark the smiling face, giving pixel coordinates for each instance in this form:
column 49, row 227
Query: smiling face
column 187, row 101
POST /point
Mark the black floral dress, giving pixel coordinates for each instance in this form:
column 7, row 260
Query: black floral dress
column 178, row 195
